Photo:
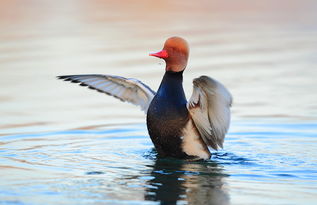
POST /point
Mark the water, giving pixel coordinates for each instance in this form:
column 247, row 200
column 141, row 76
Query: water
column 64, row 144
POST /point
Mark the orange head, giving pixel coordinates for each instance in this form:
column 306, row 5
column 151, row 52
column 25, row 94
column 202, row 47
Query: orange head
column 175, row 53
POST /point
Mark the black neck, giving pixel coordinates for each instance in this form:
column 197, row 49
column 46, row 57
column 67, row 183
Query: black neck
column 172, row 86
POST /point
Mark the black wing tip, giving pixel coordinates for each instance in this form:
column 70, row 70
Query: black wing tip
column 63, row 77
column 83, row 84
column 67, row 78
column 70, row 77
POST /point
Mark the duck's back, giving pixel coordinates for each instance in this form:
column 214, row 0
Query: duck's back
column 167, row 116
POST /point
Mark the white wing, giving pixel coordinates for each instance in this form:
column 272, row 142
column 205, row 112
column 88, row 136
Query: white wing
column 209, row 107
column 125, row 89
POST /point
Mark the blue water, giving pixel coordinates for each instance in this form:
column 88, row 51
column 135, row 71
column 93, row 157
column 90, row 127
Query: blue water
column 263, row 162
column 63, row 144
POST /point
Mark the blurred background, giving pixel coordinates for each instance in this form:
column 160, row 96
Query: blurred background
column 264, row 52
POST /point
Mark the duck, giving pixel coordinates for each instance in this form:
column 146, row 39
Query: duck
column 179, row 128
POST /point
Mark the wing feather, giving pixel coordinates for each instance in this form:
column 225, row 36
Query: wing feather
column 125, row 89
column 209, row 107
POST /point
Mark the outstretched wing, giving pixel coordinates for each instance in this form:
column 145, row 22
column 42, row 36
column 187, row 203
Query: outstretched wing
column 125, row 89
column 209, row 107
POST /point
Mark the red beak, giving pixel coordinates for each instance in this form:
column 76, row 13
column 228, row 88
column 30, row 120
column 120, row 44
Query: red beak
column 161, row 54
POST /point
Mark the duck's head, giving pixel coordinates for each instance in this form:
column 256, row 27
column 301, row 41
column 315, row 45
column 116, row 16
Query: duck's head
column 175, row 53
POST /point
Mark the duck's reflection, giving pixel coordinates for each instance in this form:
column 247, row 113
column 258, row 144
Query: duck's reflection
column 191, row 182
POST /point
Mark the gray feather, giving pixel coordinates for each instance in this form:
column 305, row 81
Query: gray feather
column 209, row 107
column 125, row 89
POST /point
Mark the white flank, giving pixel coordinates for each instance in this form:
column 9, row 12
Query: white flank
column 192, row 144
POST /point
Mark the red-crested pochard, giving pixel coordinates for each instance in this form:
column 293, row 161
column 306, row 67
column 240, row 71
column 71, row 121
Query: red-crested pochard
column 177, row 128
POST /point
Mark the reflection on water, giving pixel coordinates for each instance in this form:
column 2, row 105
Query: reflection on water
column 62, row 143
column 195, row 183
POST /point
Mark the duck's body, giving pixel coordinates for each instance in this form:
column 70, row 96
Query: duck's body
column 169, row 124
column 177, row 128
column 166, row 129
